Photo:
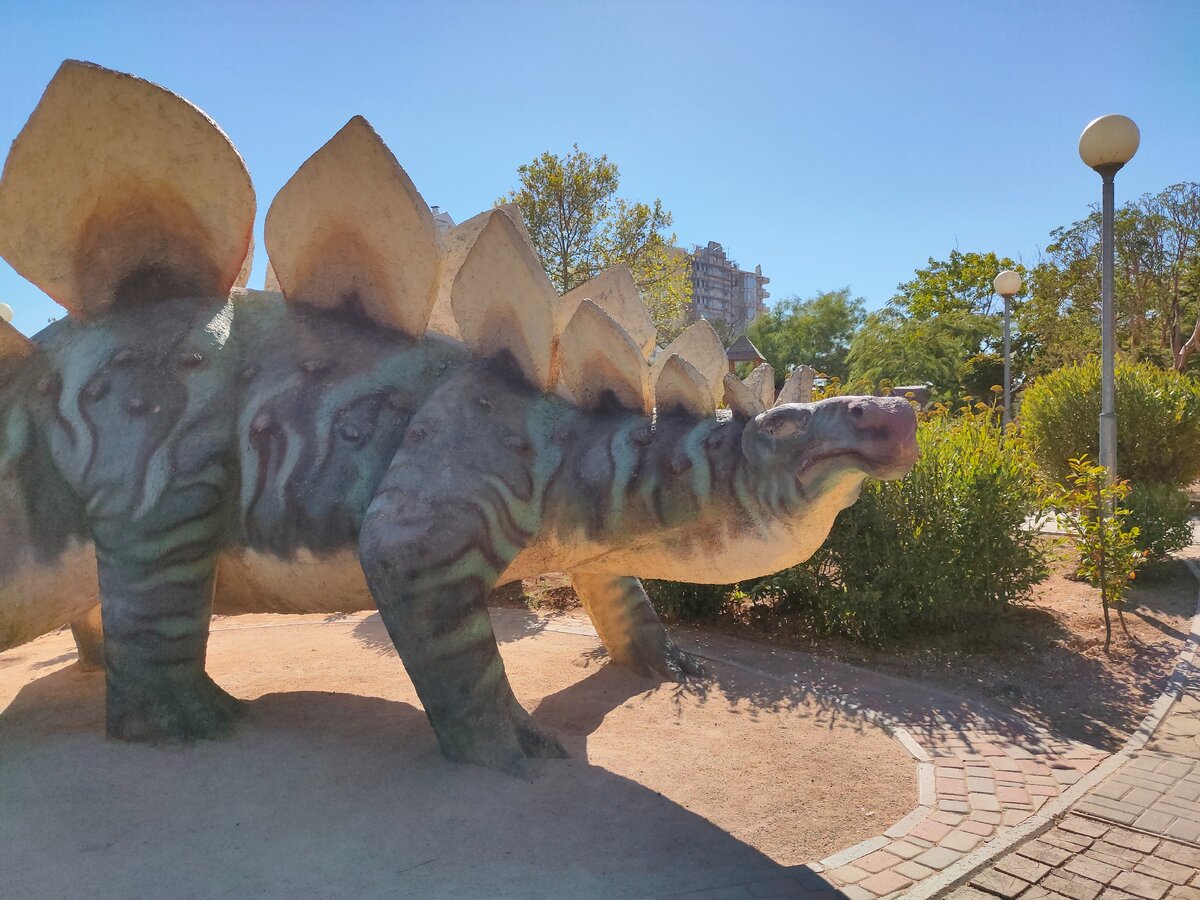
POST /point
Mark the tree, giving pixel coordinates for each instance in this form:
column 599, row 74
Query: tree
column 960, row 283
column 815, row 332
column 580, row 227
column 938, row 350
column 943, row 327
column 1156, row 284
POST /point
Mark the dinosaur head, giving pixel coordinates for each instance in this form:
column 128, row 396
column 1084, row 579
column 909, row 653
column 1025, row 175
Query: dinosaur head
column 801, row 453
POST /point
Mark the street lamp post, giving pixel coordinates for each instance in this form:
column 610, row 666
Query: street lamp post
column 1006, row 284
column 1106, row 145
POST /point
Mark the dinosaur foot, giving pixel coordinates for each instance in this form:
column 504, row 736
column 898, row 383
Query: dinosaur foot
column 652, row 653
column 194, row 709
column 506, row 745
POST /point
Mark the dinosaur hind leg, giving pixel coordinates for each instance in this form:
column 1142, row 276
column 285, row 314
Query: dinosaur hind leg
column 432, row 546
column 630, row 628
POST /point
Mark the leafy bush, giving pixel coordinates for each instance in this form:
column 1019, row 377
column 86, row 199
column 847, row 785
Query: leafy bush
column 1092, row 513
column 945, row 546
column 1160, row 513
column 1158, row 419
column 682, row 601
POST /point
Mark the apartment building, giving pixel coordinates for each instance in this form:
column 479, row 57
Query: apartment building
column 722, row 290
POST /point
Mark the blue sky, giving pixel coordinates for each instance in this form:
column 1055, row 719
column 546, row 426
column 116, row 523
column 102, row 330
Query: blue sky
column 835, row 143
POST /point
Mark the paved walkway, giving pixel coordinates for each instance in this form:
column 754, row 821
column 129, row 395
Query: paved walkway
column 1134, row 834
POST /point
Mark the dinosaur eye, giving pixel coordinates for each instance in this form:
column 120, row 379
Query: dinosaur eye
column 795, row 422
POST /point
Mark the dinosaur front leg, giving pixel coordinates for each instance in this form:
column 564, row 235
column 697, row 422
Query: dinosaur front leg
column 630, row 628
column 432, row 549
column 156, row 591
column 88, row 631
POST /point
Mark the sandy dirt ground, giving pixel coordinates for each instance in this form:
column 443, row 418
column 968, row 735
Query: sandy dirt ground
column 333, row 786
column 1045, row 659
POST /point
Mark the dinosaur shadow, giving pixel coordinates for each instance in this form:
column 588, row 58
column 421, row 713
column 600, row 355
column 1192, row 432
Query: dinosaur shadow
column 833, row 694
column 322, row 794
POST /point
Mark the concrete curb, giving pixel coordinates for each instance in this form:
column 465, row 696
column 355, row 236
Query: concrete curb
column 961, row 872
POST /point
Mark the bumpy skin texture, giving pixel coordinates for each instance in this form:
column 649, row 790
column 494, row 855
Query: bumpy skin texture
column 189, row 437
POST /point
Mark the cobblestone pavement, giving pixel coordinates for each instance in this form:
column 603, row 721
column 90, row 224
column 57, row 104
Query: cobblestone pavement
column 1136, row 834
column 982, row 784
column 1155, row 792
column 1082, row 858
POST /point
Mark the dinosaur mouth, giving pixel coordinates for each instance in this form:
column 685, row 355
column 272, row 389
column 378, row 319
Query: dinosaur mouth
column 893, row 465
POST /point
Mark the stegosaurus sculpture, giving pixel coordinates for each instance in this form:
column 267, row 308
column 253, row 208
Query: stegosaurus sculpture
column 178, row 439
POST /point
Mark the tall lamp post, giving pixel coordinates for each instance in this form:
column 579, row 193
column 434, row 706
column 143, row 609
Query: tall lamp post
column 1106, row 145
column 1006, row 284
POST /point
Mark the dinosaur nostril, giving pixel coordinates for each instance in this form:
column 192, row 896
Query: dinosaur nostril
column 857, row 412
column 96, row 390
column 262, row 422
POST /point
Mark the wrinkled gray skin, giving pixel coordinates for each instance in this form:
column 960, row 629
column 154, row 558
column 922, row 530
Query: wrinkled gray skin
column 286, row 460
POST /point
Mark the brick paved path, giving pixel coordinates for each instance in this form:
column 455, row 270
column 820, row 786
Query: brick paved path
column 983, row 783
column 1083, row 858
column 1135, row 834
column 980, row 773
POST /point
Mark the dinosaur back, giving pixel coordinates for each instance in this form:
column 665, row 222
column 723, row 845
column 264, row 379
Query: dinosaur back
column 119, row 193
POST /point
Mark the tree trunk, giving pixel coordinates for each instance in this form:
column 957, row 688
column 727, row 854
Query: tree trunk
column 1189, row 347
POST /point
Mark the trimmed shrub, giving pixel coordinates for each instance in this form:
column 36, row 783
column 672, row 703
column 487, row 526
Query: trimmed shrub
column 944, row 547
column 1158, row 416
column 1160, row 512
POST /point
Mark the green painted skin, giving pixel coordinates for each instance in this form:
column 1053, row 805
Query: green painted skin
column 172, row 433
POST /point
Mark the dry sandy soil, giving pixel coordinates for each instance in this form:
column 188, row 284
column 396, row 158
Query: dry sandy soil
column 333, row 786
column 1044, row 660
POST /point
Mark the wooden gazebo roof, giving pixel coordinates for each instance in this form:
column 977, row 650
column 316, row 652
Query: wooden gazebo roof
column 743, row 350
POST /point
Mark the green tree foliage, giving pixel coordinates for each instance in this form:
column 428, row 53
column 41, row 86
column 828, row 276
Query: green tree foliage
column 943, row 327
column 815, row 332
column 1156, row 287
column 580, row 227
column 938, row 350
column 961, row 283
column 1158, row 421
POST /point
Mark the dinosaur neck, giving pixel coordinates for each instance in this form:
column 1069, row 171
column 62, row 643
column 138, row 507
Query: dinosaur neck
column 681, row 502
column 632, row 488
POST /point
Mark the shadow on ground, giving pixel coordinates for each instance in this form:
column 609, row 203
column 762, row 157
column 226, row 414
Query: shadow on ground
column 323, row 789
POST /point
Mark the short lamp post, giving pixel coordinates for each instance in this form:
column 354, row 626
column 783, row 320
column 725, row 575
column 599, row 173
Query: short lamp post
column 1006, row 284
column 1106, row 145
